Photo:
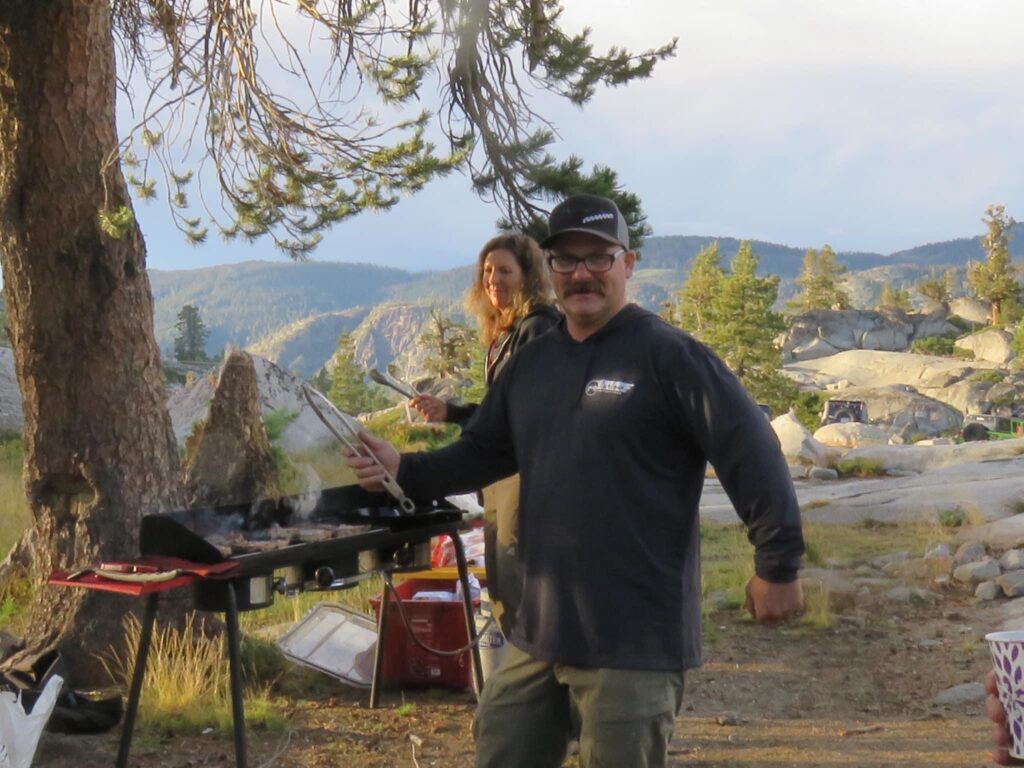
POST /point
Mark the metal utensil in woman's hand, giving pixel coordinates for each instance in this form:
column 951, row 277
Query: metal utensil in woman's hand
column 354, row 444
column 406, row 390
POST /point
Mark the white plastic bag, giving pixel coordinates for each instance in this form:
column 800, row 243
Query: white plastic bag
column 19, row 733
column 474, row 588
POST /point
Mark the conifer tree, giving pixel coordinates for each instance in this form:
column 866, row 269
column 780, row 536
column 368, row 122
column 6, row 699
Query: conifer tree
column 350, row 390
column 693, row 310
column 556, row 182
column 894, row 298
column 745, row 330
column 321, row 380
column 449, row 346
column 995, row 278
column 190, row 343
column 938, row 288
column 820, row 282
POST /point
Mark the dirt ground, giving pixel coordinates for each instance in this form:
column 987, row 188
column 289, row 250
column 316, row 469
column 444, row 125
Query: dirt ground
column 857, row 694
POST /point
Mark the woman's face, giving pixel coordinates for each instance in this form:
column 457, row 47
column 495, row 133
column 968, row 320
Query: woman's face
column 502, row 278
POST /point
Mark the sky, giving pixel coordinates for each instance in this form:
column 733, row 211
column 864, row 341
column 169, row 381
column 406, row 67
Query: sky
column 873, row 125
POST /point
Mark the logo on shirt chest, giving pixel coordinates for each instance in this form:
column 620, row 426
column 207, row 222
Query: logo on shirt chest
column 607, row 386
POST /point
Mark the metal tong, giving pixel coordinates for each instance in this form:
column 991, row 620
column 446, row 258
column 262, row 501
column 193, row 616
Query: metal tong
column 354, row 444
column 406, row 390
column 135, row 574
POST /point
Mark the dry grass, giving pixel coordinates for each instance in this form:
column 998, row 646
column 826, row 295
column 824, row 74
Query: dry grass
column 187, row 686
column 15, row 514
column 292, row 609
column 728, row 558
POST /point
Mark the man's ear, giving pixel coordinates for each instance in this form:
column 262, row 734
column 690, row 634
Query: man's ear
column 630, row 261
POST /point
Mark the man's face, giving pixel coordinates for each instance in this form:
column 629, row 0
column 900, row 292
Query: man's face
column 589, row 299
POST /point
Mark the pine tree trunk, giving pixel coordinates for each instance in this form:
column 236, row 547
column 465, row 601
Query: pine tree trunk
column 99, row 450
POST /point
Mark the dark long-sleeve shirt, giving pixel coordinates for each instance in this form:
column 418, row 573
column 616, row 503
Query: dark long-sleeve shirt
column 611, row 437
column 540, row 319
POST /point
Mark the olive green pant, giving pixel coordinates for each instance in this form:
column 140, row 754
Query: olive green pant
column 530, row 710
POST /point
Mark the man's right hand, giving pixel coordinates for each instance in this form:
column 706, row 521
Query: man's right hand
column 370, row 473
column 1001, row 733
column 432, row 408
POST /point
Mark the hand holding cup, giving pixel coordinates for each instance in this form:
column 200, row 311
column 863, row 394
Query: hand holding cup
column 1005, row 703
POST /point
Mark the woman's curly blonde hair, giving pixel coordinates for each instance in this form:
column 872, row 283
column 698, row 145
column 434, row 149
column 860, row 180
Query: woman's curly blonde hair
column 536, row 286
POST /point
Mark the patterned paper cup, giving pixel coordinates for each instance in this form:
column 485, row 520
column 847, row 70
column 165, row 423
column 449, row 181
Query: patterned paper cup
column 1008, row 659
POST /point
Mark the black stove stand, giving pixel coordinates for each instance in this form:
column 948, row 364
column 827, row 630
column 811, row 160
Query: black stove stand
column 243, row 588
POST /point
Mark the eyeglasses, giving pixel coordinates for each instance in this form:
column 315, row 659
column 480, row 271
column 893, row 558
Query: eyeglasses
column 566, row 263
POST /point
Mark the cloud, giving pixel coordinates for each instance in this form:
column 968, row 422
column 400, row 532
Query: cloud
column 875, row 124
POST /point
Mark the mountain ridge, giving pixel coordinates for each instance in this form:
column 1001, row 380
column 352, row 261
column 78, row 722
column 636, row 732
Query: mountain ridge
column 289, row 311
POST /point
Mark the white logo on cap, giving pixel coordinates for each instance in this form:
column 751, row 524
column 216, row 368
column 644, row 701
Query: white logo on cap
column 607, row 386
column 597, row 216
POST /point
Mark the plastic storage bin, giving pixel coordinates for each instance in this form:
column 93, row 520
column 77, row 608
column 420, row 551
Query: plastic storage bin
column 439, row 624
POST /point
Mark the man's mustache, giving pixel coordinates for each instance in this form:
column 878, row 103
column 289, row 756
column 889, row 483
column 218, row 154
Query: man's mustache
column 587, row 287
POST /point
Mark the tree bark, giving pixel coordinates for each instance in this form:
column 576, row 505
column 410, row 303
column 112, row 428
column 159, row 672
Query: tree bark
column 99, row 449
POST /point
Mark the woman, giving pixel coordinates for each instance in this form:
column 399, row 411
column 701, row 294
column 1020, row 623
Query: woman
column 511, row 298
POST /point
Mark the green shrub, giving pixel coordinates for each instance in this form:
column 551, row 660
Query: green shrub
column 172, row 376
column 277, row 422
column 993, row 376
column 392, row 426
column 964, row 325
column 807, row 407
column 952, row 518
column 860, row 468
column 1017, row 345
column 963, row 354
column 933, row 345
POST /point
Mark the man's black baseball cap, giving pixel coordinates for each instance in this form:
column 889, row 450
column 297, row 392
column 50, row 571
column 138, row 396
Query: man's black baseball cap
column 592, row 214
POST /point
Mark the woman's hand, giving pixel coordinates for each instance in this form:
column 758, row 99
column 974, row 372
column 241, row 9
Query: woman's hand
column 430, row 407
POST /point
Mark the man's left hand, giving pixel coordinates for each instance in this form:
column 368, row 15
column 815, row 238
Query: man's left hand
column 770, row 603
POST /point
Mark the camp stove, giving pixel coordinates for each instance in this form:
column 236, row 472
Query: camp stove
column 238, row 557
column 330, row 540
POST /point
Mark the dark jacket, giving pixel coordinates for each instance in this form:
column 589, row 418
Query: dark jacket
column 611, row 437
column 538, row 320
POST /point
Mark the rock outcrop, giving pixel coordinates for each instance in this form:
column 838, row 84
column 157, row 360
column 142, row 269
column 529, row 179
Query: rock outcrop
column 992, row 345
column 967, row 387
column 826, row 332
column 392, row 332
column 971, row 310
column 231, row 459
column 279, row 390
column 851, row 435
column 798, row 446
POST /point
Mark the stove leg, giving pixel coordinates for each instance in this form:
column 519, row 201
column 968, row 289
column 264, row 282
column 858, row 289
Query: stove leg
column 134, row 693
column 382, row 628
column 237, row 708
column 467, row 603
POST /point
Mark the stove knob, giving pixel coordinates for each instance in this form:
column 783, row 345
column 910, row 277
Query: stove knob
column 403, row 557
column 324, row 576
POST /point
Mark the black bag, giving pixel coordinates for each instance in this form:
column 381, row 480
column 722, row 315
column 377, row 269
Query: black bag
column 75, row 712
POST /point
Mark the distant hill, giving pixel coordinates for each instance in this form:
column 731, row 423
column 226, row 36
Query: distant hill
column 245, row 303
column 301, row 346
column 292, row 313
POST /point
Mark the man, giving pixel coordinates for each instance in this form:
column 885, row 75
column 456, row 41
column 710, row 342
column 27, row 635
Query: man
column 610, row 419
